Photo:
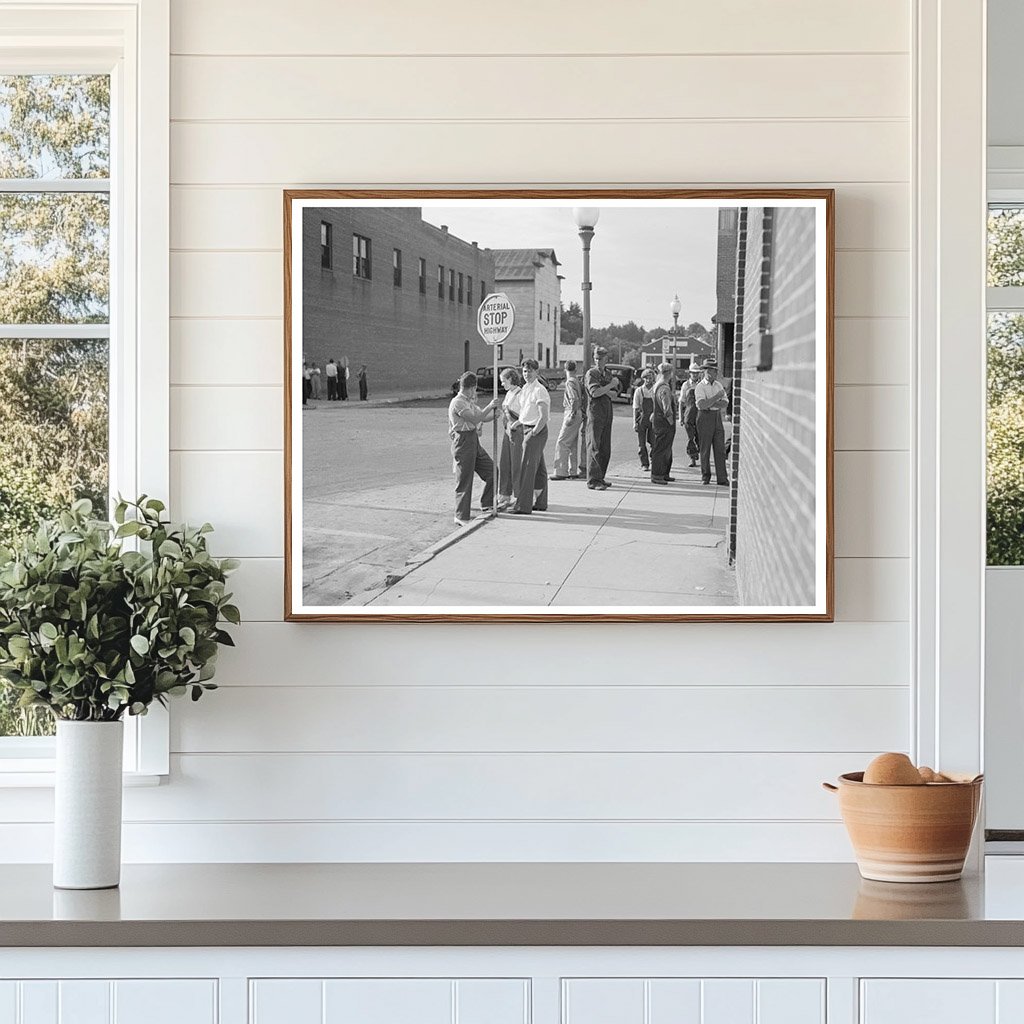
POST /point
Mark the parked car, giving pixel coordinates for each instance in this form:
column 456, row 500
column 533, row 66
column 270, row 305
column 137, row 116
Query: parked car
column 485, row 379
column 627, row 379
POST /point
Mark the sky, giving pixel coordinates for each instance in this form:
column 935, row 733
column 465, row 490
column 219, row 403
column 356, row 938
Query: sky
column 639, row 258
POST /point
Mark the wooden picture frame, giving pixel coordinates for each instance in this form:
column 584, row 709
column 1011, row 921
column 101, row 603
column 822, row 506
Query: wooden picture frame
column 769, row 259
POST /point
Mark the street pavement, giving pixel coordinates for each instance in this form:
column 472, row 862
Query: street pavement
column 379, row 491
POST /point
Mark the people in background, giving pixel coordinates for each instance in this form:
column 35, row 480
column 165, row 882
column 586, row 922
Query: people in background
column 363, row 389
column 343, row 379
column 307, row 382
column 511, row 459
column 599, row 385
column 331, row 373
column 688, row 411
column 534, row 414
column 711, row 399
column 643, row 410
column 468, row 456
column 663, row 424
column 316, row 378
column 567, row 452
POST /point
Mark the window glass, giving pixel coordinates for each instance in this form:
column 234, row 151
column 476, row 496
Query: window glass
column 1006, row 246
column 54, row 276
column 1005, row 484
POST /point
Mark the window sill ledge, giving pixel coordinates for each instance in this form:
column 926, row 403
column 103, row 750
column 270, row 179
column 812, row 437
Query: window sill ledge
column 46, row 779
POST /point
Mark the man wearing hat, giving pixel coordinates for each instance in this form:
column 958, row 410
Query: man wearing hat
column 711, row 399
column 666, row 411
column 643, row 410
column 688, row 411
column 599, row 385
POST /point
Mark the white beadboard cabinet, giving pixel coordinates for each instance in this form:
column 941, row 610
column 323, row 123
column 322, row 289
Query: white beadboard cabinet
column 513, row 985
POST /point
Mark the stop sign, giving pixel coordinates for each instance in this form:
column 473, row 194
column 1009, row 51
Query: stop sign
column 495, row 318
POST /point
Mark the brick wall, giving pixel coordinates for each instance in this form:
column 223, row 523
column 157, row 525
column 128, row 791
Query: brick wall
column 409, row 341
column 774, row 435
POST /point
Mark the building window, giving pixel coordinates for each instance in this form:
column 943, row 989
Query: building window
column 540, row 311
column 451, row 285
column 483, row 290
column 469, row 290
column 361, row 257
column 325, row 245
column 423, row 276
column 549, row 312
column 396, row 263
column 440, row 282
column 461, row 292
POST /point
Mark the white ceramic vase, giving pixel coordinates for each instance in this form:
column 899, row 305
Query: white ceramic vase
column 87, row 806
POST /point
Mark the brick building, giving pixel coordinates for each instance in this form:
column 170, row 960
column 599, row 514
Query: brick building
column 725, row 315
column 772, row 533
column 530, row 278
column 383, row 287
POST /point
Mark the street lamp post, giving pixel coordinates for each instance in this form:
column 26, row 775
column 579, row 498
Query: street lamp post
column 586, row 219
column 675, row 306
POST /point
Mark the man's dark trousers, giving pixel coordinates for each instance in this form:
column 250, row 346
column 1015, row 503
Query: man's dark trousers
column 661, row 449
column 712, row 436
column 599, row 443
column 470, row 458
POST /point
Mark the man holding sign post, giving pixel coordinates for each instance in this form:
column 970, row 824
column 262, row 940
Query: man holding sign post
column 494, row 322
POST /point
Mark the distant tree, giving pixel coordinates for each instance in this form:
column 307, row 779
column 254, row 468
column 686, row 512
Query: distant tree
column 571, row 324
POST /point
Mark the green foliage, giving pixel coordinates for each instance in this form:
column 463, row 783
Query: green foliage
column 1005, row 247
column 1006, row 482
column 91, row 630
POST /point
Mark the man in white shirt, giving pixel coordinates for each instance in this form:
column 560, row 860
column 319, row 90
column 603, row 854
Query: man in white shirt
column 468, row 455
column 331, row 370
column 534, row 413
column 711, row 399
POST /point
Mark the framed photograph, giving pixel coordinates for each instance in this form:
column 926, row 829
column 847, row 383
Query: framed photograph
column 558, row 405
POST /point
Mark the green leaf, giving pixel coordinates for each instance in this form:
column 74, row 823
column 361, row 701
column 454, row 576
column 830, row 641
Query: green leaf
column 188, row 635
column 170, row 549
column 232, row 614
column 49, row 631
column 140, row 644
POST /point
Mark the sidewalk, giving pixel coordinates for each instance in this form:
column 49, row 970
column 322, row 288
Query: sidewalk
column 375, row 401
column 636, row 543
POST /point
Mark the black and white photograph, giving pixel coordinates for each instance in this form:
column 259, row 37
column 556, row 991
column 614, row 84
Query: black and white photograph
column 558, row 406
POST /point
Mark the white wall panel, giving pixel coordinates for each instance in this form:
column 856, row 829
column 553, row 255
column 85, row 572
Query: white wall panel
column 872, row 418
column 239, row 492
column 872, row 589
column 85, row 1002
column 149, row 1001
column 286, row 1001
column 470, row 787
column 8, row 1002
column 545, row 718
column 258, row 587
column 332, row 88
column 872, row 499
column 837, row 655
column 39, row 1003
column 603, row 1001
column 873, row 283
column 872, row 350
column 240, row 353
column 492, row 1001
column 868, row 216
column 727, row 1002
column 790, row 1001
column 388, row 1001
column 580, row 151
column 235, row 418
column 736, row 26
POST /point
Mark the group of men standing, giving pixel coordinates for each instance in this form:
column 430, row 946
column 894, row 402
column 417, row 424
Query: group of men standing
column 586, row 430
column 697, row 408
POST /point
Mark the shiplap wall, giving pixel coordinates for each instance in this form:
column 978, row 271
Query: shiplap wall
column 427, row 742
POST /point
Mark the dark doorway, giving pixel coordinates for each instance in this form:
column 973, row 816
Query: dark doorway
column 465, row 355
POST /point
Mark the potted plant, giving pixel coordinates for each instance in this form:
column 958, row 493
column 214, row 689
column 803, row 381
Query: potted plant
column 93, row 630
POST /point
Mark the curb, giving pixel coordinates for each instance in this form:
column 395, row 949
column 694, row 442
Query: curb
column 376, row 403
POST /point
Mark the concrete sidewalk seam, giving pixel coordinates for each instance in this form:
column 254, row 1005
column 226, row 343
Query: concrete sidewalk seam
column 435, row 549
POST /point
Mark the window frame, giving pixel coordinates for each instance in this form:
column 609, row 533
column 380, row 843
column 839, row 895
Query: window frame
column 422, row 275
column 326, row 245
column 131, row 43
column 362, row 265
column 396, row 267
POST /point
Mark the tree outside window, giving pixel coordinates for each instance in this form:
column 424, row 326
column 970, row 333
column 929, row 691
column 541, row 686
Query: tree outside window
column 1005, row 483
column 54, row 308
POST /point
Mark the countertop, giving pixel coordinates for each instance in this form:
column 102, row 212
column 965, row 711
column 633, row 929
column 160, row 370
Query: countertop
column 560, row 904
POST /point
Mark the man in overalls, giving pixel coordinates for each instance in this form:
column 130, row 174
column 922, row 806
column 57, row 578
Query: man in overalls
column 599, row 385
column 643, row 410
column 663, row 421
column 688, row 412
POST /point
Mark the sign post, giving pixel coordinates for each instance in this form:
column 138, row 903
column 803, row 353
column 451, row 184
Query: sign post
column 494, row 322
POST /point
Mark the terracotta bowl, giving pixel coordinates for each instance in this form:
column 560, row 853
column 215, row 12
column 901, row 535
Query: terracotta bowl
column 909, row 833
